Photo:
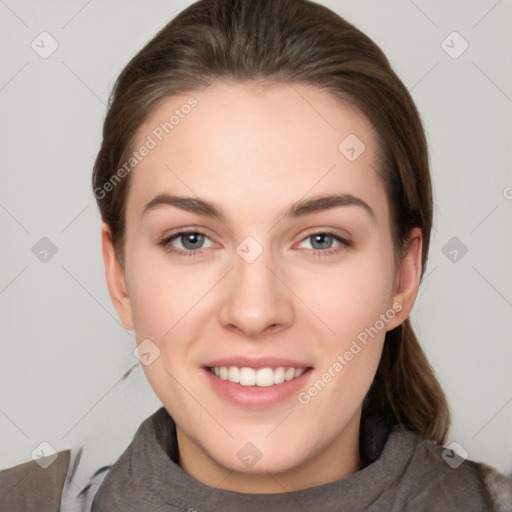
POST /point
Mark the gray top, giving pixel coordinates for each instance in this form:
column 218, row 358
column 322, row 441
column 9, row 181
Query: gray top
column 408, row 473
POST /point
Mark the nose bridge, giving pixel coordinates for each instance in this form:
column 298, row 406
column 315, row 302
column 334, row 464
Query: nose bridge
column 256, row 299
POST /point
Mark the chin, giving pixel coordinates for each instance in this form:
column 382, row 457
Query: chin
column 253, row 459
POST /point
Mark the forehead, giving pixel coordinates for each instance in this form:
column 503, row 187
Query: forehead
column 238, row 143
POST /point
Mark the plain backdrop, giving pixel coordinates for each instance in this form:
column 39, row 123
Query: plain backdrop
column 63, row 351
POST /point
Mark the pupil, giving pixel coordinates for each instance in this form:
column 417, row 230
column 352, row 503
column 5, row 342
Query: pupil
column 190, row 237
column 320, row 238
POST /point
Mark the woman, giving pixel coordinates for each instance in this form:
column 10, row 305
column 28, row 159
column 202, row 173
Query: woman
column 264, row 186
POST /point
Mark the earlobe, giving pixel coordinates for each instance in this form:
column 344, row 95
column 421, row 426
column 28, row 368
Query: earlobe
column 408, row 278
column 115, row 278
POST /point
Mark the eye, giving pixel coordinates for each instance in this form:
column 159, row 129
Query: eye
column 322, row 243
column 191, row 243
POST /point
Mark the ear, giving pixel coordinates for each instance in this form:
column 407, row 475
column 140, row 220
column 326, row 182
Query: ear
column 114, row 275
column 407, row 280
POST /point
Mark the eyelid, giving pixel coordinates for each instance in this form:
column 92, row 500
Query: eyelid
column 166, row 239
column 203, row 231
column 185, row 230
column 345, row 242
column 340, row 233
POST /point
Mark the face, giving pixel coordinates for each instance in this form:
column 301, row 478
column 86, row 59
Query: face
column 265, row 323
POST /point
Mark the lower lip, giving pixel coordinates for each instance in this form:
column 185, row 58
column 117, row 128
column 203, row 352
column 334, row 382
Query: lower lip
column 256, row 397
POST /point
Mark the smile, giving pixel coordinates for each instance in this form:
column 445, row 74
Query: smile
column 260, row 377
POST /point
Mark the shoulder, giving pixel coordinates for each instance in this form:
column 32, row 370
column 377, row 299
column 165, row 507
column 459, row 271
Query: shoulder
column 438, row 475
column 497, row 486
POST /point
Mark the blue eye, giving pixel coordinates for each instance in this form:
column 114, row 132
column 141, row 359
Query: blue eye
column 192, row 243
column 325, row 241
column 190, row 240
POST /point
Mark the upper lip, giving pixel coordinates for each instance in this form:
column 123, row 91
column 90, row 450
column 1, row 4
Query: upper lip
column 259, row 362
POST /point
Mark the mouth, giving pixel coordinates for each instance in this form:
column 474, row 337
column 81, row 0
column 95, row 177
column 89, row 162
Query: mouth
column 259, row 377
column 257, row 383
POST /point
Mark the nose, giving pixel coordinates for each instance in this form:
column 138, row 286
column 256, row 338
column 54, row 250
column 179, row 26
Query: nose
column 256, row 300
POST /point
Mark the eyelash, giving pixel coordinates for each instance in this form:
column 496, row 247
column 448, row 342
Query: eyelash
column 165, row 243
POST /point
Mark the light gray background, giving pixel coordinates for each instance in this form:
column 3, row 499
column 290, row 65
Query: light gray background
column 64, row 352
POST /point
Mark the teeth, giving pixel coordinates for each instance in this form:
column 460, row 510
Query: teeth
column 289, row 374
column 279, row 375
column 265, row 377
column 262, row 377
column 234, row 374
column 247, row 376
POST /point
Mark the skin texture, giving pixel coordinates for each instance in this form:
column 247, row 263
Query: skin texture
column 254, row 151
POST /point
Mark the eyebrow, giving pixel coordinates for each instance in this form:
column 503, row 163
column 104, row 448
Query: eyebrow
column 298, row 209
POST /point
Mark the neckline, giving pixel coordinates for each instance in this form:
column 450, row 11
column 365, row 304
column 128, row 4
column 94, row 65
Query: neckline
column 156, row 444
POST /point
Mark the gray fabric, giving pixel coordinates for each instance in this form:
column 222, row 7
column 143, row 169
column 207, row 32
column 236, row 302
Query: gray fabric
column 409, row 475
column 34, row 486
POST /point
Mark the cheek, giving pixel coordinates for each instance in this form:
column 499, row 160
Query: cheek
column 170, row 305
column 353, row 300
column 164, row 299
column 355, row 306
column 161, row 294
column 350, row 297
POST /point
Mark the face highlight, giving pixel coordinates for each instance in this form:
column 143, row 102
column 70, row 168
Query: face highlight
column 257, row 252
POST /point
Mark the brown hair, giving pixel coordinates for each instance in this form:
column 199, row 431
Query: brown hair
column 293, row 41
